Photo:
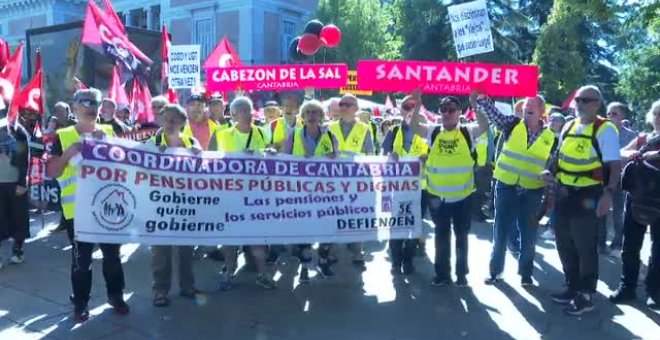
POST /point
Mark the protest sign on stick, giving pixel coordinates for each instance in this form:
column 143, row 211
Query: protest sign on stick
column 470, row 26
column 184, row 66
column 277, row 77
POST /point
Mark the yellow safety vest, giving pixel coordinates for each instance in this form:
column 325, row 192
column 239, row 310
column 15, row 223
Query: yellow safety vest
column 353, row 144
column 450, row 166
column 224, row 126
column 228, row 140
column 482, row 149
column 578, row 155
column 418, row 147
column 323, row 147
column 187, row 130
column 520, row 165
column 279, row 133
column 69, row 136
column 160, row 139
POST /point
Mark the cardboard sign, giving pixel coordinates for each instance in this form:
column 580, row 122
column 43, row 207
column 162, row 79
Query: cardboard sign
column 184, row 69
column 471, row 28
column 277, row 77
column 448, row 78
column 352, row 87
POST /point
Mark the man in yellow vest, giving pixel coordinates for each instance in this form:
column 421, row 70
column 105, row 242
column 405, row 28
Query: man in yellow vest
column 527, row 147
column 244, row 136
column 282, row 127
column 450, row 174
column 354, row 138
column 200, row 125
column 402, row 141
column 587, row 169
column 62, row 165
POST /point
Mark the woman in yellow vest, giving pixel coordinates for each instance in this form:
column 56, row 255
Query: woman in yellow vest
column 62, row 165
column 402, row 141
column 519, row 187
column 450, row 175
column 312, row 140
column 242, row 137
column 172, row 119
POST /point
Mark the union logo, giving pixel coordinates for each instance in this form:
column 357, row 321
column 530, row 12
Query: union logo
column 113, row 207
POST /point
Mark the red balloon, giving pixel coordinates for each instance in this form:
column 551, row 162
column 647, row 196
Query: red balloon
column 331, row 36
column 309, row 44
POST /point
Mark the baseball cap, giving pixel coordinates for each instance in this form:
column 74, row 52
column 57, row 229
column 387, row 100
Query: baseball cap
column 195, row 96
column 271, row 104
column 450, row 100
column 216, row 97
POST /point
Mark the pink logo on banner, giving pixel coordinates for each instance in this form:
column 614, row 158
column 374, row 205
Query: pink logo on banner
column 276, row 77
column 448, row 78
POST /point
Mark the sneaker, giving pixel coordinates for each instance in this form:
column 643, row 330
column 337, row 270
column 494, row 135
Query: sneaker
column 563, row 297
column 526, row 282
column 119, row 305
column 304, row 276
column 265, row 282
column 440, row 282
column 80, row 315
column 461, row 282
column 408, row 268
column 17, row 259
column 491, row 280
column 548, row 235
column 580, row 305
column 623, row 294
column 325, row 269
column 225, row 281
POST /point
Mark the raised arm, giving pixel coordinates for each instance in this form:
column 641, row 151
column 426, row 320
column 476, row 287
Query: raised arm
column 416, row 124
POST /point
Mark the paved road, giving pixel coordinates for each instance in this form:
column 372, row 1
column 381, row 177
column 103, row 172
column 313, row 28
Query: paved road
column 371, row 305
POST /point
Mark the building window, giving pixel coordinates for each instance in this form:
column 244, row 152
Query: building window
column 204, row 35
column 155, row 16
column 288, row 33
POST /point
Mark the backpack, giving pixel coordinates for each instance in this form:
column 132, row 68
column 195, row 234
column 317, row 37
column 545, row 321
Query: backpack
column 466, row 134
column 596, row 173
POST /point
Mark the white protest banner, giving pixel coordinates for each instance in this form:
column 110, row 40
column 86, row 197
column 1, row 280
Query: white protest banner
column 471, row 27
column 129, row 192
column 184, row 66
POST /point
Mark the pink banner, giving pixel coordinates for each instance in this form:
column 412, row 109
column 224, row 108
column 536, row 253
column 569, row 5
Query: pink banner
column 276, row 77
column 448, row 78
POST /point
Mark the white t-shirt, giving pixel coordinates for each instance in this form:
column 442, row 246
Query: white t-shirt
column 608, row 141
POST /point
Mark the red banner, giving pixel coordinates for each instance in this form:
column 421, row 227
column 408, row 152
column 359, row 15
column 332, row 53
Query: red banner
column 448, row 78
column 277, row 77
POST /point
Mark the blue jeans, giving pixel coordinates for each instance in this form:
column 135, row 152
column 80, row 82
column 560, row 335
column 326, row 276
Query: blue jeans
column 515, row 209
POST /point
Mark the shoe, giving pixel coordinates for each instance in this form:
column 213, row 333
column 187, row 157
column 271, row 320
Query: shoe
column 17, row 259
column 440, row 282
column 396, row 270
column 526, row 281
column 119, row 305
column 265, row 282
column 461, row 282
column 304, row 276
column 225, row 281
column 580, row 305
column 623, row 294
column 325, row 268
column 563, row 297
column 493, row 279
column 80, row 315
column 59, row 229
column 408, row 268
column 548, row 235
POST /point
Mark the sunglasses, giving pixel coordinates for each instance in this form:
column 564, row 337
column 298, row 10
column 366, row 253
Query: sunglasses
column 585, row 100
column 87, row 102
column 346, row 104
column 408, row 107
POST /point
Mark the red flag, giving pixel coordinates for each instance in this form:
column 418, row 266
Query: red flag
column 171, row 96
column 223, row 55
column 470, row 115
column 569, row 102
column 166, row 44
column 388, row 102
column 4, row 53
column 10, row 81
column 117, row 91
column 30, row 98
column 377, row 112
column 79, row 84
column 102, row 35
column 110, row 12
column 141, row 103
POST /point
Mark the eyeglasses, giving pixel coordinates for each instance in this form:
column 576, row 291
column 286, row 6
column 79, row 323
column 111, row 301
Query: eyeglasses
column 408, row 107
column 87, row 102
column 585, row 100
column 448, row 110
column 613, row 114
column 345, row 104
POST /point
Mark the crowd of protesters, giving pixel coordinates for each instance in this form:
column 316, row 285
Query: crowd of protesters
column 516, row 168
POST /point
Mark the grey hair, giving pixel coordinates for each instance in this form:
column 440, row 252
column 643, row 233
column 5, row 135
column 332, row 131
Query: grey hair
column 593, row 88
column 90, row 92
column 176, row 109
column 540, row 98
column 655, row 110
column 618, row 105
column 241, row 102
column 311, row 104
column 63, row 105
column 159, row 101
column 110, row 101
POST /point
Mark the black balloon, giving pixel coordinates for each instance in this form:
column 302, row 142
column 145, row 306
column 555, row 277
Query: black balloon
column 294, row 53
column 314, row 27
